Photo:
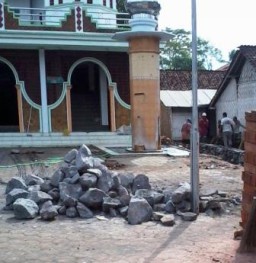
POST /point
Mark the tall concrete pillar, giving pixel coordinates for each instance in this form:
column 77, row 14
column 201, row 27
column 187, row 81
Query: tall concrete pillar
column 145, row 92
column 144, row 43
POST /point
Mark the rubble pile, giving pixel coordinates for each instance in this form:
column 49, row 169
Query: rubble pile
column 84, row 187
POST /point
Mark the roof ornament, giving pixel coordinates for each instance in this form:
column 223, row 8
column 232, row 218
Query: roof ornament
column 150, row 7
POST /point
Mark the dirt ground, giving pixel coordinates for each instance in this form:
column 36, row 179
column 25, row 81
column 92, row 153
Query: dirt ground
column 208, row 239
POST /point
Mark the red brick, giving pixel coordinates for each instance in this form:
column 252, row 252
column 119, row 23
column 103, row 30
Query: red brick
column 249, row 179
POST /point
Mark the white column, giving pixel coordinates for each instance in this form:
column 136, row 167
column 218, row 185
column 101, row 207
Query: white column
column 44, row 114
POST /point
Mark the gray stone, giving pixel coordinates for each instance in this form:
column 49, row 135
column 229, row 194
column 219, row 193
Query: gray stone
column 93, row 198
column 70, row 201
column 122, row 191
column 84, row 150
column 15, row 182
column 94, row 171
column 125, row 199
column 105, row 181
column 71, row 172
column 168, row 220
column 189, row 216
column 208, row 192
column 25, row 208
column 170, row 207
column 139, row 211
column 88, row 180
column 109, row 202
column 126, row 180
column 46, row 186
column 70, row 156
column 39, row 197
column 123, row 211
column 73, row 190
column 181, row 193
column 35, row 187
column 62, row 210
column 84, row 160
column 116, row 181
column 156, row 216
column 48, row 211
column 71, row 212
column 112, row 212
column 159, row 207
column 15, row 194
column 141, row 181
column 83, row 211
column 55, row 194
column 57, row 177
column 153, row 197
column 32, row 179
column 75, row 179
column 183, row 206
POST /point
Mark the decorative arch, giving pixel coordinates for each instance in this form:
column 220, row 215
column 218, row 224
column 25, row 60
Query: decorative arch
column 111, row 87
column 21, row 92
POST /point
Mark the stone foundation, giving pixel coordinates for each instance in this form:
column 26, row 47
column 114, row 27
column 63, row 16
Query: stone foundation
column 232, row 155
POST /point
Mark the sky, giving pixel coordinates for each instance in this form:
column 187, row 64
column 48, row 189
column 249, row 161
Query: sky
column 226, row 24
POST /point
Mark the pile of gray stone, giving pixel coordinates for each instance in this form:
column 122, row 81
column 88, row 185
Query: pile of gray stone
column 84, row 187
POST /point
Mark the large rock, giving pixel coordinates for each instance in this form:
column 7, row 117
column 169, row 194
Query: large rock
column 105, row 181
column 15, row 182
column 83, row 211
column 93, row 198
column 70, row 156
column 39, row 197
column 88, row 180
column 57, row 177
column 139, row 211
column 32, row 179
column 181, row 193
column 48, row 211
column 73, row 190
column 141, row 181
column 25, row 208
column 84, row 160
column 153, row 197
column 15, row 194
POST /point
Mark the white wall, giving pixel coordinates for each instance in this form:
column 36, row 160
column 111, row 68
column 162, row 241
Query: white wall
column 227, row 102
column 246, row 91
column 178, row 118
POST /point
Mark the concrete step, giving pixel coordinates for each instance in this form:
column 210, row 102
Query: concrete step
column 106, row 139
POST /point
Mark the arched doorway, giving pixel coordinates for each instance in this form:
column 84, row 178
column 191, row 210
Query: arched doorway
column 89, row 98
column 9, row 120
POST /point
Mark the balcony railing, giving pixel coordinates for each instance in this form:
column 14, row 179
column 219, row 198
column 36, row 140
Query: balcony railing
column 55, row 16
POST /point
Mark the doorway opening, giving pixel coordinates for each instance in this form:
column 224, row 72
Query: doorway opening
column 9, row 120
column 89, row 98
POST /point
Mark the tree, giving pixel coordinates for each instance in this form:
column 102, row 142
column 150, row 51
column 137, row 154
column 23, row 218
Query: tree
column 177, row 53
column 120, row 6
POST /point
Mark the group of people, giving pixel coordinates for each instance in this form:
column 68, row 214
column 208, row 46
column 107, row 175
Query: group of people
column 203, row 126
column 228, row 130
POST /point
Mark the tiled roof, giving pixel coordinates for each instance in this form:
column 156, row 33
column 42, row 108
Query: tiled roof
column 243, row 54
column 249, row 52
column 182, row 79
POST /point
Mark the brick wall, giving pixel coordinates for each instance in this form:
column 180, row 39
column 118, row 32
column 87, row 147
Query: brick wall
column 249, row 173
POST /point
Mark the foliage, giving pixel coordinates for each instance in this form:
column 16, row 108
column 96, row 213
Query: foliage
column 120, row 6
column 176, row 53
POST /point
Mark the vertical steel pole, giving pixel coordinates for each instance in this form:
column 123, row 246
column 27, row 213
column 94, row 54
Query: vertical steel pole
column 195, row 136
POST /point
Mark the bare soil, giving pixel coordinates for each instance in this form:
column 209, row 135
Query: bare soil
column 208, row 239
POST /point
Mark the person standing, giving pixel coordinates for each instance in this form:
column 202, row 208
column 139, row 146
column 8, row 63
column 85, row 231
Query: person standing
column 237, row 138
column 227, row 125
column 185, row 133
column 203, row 127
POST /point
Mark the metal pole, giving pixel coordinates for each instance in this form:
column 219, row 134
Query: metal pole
column 195, row 136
